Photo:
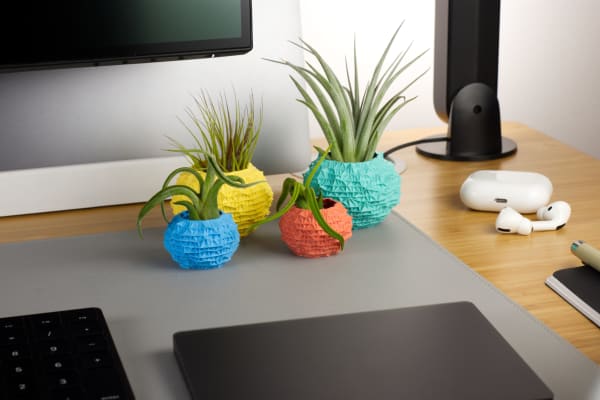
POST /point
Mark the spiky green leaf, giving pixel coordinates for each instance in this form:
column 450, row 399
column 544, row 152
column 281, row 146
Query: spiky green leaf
column 313, row 205
column 161, row 196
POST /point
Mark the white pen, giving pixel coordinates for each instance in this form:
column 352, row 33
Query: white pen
column 589, row 255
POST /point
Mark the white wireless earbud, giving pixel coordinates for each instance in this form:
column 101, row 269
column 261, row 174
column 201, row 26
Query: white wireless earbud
column 552, row 217
column 510, row 221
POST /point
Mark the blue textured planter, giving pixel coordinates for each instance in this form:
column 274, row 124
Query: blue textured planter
column 201, row 244
column 369, row 190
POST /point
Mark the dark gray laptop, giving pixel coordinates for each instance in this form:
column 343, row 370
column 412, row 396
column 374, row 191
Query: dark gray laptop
column 442, row 351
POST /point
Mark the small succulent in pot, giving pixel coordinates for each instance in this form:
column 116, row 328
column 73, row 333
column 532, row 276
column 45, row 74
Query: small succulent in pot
column 201, row 237
column 310, row 225
column 353, row 122
column 229, row 133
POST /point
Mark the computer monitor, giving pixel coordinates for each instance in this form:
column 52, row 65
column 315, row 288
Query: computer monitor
column 96, row 135
column 77, row 33
column 465, row 82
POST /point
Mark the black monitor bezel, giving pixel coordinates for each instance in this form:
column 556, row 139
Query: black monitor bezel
column 140, row 53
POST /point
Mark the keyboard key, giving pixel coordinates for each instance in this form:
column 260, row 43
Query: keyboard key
column 58, row 363
column 14, row 352
column 49, row 333
column 22, row 389
column 54, row 347
column 46, row 321
column 10, row 323
column 12, row 336
column 86, row 328
column 81, row 316
column 64, row 379
column 99, row 359
column 19, row 368
column 71, row 393
column 91, row 343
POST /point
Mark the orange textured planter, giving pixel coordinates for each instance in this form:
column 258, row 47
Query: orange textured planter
column 302, row 234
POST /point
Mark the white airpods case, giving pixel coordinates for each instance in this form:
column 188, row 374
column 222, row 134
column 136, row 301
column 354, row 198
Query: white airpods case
column 490, row 190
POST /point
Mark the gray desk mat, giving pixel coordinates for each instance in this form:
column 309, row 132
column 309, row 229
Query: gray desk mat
column 146, row 297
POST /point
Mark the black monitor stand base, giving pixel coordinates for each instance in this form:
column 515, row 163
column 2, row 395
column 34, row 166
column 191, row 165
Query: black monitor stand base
column 440, row 151
column 474, row 132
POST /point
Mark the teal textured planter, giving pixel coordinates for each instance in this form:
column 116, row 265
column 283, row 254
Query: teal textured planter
column 369, row 190
column 201, row 244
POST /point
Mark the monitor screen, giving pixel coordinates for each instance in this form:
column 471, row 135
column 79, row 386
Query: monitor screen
column 97, row 32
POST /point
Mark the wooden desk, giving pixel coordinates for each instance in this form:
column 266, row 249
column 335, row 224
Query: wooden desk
column 517, row 265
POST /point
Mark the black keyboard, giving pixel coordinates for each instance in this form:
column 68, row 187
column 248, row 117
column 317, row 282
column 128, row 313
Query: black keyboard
column 64, row 355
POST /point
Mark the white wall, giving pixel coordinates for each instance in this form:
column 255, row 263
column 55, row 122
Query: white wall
column 550, row 68
column 549, row 73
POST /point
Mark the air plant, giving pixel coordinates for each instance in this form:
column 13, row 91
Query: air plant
column 200, row 204
column 302, row 195
column 228, row 133
column 353, row 123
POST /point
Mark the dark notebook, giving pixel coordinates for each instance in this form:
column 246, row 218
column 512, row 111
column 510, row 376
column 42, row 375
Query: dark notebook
column 443, row 351
column 580, row 286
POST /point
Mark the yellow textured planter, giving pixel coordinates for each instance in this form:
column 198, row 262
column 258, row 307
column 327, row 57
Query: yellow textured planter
column 247, row 206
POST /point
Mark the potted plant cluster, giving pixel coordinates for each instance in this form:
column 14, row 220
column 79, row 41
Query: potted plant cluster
column 202, row 236
column 349, row 186
column 353, row 122
column 229, row 134
column 311, row 226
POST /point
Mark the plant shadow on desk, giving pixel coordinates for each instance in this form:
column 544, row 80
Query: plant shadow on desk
column 267, row 240
column 147, row 253
column 102, row 253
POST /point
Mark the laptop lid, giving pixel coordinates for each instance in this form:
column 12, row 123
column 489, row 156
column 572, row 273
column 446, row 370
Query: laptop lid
column 448, row 351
